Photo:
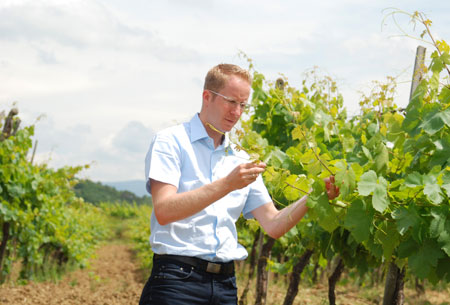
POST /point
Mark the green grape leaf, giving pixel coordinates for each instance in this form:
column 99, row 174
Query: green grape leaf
column 412, row 121
column 388, row 237
column 443, row 269
column 276, row 157
column 382, row 158
column 348, row 141
column 425, row 258
column 407, row 247
column 374, row 248
column 295, row 185
column 380, row 199
column 434, row 121
column 445, row 57
column 346, row 181
column 446, row 183
column 297, row 133
column 440, row 227
column 444, row 96
column 367, row 183
column 433, row 192
column 445, row 115
column 441, row 155
column 405, row 218
column 444, row 239
column 15, row 190
column 323, row 212
column 414, row 179
column 359, row 220
column 367, row 153
column 434, row 81
column 437, row 64
column 357, row 169
column 372, row 129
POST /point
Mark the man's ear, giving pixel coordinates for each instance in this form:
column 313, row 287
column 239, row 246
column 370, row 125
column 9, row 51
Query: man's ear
column 206, row 97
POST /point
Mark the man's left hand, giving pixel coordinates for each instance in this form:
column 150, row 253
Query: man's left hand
column 332, row 189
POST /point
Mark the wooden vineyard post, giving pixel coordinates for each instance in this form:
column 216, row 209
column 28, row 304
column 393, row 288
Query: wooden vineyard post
column 393, row 289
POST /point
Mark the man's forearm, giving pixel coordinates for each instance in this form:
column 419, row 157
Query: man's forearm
column 171, row 206
column 288, row 217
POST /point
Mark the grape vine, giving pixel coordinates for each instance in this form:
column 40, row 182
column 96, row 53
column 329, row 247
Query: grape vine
column 391, row 165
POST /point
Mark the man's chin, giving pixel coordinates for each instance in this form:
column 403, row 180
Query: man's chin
column 228, row 126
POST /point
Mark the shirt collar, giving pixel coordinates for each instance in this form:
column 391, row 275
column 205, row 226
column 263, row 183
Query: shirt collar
column 198, row 132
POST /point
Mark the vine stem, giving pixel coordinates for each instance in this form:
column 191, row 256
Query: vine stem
column 420, row 17
column 315, row 153
column 426, row 24
column 306, row 140
column 294, row 187
column 215, row 129
column 304, row 136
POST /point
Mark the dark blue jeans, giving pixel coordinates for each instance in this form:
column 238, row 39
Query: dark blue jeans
column 175, row 283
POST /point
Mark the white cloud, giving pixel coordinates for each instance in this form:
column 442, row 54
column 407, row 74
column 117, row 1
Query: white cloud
column 133, row 139
column 108, row 155
column 102, row 69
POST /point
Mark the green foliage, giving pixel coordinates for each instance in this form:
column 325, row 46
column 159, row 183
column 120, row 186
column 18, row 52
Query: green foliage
column 139, row 233
column 392, row 166
column 122, row 210
column 96, row 193
column 44, row 219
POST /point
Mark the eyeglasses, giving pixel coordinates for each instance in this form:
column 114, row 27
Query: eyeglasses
column 231, row 102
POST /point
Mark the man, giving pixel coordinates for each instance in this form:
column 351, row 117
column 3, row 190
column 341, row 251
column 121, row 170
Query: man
column 200, row 185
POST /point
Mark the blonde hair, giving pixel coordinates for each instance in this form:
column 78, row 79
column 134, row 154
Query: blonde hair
column 218, row 75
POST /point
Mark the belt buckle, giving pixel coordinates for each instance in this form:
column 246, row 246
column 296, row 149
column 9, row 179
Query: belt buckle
column 213, row 268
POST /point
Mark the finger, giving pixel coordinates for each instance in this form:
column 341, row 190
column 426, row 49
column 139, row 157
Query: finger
column 252, row 176
column 256, row 165
column 255, row 171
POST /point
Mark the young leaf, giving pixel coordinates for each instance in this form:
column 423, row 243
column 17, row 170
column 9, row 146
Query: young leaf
column 368, row 183
column 346, row 181
column 433, row 192
column 380, row 200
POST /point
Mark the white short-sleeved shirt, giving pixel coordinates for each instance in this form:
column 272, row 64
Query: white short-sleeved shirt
column 184, row 156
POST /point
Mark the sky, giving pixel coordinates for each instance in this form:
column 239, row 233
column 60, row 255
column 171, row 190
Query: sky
column 99, row 78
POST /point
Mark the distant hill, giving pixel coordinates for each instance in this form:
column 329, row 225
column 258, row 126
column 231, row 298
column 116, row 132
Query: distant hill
column 96, row 192
column 135, row 186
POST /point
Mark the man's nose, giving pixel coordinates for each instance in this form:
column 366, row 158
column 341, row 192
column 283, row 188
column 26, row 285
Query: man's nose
column 236, row 110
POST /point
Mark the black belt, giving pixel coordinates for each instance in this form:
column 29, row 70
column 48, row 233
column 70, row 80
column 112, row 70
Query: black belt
column 198, row 263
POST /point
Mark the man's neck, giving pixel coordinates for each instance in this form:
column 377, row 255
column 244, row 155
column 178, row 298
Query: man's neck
column 215, row 134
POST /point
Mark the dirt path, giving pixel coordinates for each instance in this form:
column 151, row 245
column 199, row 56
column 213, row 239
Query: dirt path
column 113, row 278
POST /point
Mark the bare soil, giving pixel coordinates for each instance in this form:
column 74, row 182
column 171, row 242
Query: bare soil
column 113, row 278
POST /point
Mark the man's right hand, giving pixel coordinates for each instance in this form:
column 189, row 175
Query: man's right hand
column 244, row 174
